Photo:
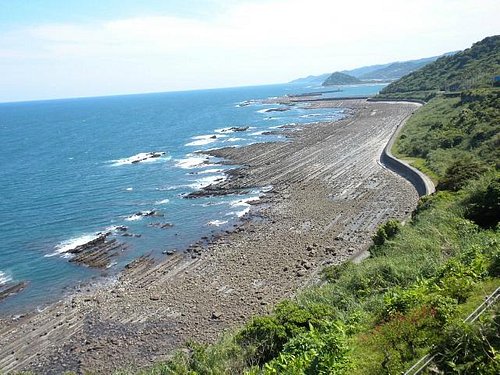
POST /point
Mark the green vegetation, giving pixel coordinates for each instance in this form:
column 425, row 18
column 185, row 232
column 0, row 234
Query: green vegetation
column 389, row 71
column 472, row 68
column 380, row 316
column 338, row 78
column 455, row 138
column 422, row 279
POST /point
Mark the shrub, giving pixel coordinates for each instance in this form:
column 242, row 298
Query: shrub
column 460, row 172
column 385, row 232
column 483, row 205
column 470, row 349
column 334, row 272
column 401, row 338
column 224, row 358
column 318, row 352
column 494, row 268
column 263, row 337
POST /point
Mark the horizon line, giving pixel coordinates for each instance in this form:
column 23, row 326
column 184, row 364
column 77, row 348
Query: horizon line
column 135, row 93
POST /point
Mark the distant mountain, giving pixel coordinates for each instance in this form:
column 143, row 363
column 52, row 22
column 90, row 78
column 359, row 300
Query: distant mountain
column 397, row 70
column 383, row 72
column 311, row 80
column 339, row 78
column 358, row 72
column 392, row 71
column 472, row 68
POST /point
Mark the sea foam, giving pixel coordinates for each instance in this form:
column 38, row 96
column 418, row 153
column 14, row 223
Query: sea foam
column 4, row 278
column 163, row 201
column 242, row 203
column 217, row 223
column 140, row 215
column 207, row 181
column 213, row 170
column 192, row 161
column 68, row 245
column 201, row 140
column 142, row 157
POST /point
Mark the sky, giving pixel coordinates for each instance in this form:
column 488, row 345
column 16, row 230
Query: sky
column 72, row 48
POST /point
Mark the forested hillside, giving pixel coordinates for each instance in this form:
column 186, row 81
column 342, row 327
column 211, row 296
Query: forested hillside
column 472, row 68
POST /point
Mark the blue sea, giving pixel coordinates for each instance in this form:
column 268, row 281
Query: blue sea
column 67, row 173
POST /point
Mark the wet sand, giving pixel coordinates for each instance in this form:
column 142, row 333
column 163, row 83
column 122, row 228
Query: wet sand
column 329, row 193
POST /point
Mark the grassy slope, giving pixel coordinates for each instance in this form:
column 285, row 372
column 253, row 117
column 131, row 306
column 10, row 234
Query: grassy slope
column 472, row 68
column 422, row 279
column 448, row 129
column 375, row 317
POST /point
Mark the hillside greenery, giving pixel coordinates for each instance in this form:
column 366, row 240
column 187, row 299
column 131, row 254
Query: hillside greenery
column 456, row 138
column 423, row 277
column 378, row 317
column 388, row 71
column 472, row 68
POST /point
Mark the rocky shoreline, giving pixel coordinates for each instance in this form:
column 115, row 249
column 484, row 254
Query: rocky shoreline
column 329, row 193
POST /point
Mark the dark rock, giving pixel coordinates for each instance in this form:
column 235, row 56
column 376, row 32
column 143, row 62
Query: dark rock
column 12, row 289
column 216, row 315
column 236, row 129
column 330, row 250
column 148, row 155
column 282, row 109
column 215, row 192
column 131, row 235
column 168, row 252
column 161, row 225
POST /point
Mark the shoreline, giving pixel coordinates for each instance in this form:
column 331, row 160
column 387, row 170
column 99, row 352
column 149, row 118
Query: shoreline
column 329, row 194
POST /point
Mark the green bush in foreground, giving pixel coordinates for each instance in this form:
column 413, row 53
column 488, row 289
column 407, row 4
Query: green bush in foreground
column 320, row 352
column 470, row 348
column 386, row 232
column 483, row 204
column 375, row 317
column 460, row 172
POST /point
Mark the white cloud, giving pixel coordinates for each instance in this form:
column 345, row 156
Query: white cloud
column 242, row 44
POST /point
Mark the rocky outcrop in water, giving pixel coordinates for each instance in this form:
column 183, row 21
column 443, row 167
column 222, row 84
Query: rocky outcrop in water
column 146, row 156
column 97, row 252
column 235, row 129
column 281, row 109
column 161, row 225
column 12, row 289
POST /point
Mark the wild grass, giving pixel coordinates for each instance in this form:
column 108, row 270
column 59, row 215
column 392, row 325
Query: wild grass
column 377, row 316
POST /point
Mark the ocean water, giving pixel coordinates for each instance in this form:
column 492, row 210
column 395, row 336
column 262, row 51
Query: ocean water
column 67, row 173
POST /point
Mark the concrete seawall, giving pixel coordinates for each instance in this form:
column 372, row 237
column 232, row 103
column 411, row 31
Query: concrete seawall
column 418, row 101
column 419, row 180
